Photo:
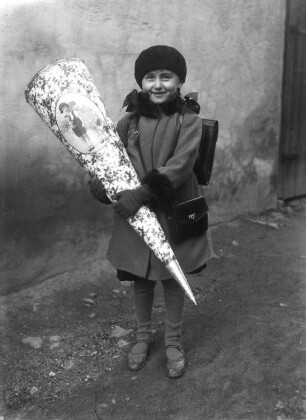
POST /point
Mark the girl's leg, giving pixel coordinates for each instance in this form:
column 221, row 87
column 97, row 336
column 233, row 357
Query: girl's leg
column 174, row 302
column 143, row 299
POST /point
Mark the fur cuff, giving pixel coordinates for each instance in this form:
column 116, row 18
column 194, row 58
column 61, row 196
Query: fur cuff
column 160, row 186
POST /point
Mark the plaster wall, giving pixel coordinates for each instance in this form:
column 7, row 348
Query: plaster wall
column 234, row 52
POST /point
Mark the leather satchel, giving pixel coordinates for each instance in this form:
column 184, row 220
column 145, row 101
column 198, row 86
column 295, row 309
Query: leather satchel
column 204, row 164
column 210, row 130
column 188, row 219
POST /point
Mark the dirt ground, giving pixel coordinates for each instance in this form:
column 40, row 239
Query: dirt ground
column 63, row 356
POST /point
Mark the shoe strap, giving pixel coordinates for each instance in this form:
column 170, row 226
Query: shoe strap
column 175, row 346
column 142, row 341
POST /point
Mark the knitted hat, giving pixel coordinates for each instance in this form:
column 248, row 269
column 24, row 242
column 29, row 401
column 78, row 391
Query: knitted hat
column 160, row 57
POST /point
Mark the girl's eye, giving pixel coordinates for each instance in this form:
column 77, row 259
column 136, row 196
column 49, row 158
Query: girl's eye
column 166, row 76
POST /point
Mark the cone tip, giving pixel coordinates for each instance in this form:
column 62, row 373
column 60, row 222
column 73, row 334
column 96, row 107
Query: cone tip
column 176, row 272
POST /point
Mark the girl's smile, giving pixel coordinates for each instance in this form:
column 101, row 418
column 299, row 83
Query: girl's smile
column 161, row 85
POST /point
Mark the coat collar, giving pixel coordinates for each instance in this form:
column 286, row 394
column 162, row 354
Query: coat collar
column 139, row 103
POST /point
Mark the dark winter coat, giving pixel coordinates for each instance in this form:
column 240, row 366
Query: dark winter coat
column 161, row 140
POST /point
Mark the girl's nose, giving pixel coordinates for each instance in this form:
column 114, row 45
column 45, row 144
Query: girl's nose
column 157, row 83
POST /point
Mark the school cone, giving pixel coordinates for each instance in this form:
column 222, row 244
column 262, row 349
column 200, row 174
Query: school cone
column 176, row 272
column 64, row 96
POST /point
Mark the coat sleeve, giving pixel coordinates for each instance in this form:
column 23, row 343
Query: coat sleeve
column 180, row 166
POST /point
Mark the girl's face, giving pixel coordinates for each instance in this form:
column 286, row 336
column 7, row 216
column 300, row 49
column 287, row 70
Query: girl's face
column 161, row 85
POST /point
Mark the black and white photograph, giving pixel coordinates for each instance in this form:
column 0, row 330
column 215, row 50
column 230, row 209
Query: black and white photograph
column 153, row 210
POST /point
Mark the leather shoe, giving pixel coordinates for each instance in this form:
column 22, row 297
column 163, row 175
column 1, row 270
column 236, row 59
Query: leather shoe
column 137, row 358
column 175, row 361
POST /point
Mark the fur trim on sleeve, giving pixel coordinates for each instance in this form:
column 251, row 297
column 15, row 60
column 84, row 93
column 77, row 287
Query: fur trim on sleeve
column 160, row 185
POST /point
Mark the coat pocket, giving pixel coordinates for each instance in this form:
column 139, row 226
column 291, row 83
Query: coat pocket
column 188, row 219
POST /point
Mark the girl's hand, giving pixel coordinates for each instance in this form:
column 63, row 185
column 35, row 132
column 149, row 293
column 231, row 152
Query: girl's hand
column 97, row 189
column 129, row 201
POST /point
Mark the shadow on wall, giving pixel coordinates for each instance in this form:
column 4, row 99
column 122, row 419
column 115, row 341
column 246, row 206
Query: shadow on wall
column 42, row 181
column 50, row 223
column 244, row 177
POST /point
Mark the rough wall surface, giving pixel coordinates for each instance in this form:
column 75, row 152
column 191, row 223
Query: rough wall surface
column 234, row 52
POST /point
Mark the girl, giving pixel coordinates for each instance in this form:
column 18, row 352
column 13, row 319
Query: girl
column 161, row 133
